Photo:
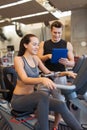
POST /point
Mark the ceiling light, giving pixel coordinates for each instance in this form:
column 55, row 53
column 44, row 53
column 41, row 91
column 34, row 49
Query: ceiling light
column 5, row 20
column 14, row 3
column 28, row 16
column 59, row 14
column 83, row 43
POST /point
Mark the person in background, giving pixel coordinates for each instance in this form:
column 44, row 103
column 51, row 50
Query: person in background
column 27, row 65
column 45, row 54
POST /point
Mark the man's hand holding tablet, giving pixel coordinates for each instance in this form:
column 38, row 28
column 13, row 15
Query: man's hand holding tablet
column 59, row 55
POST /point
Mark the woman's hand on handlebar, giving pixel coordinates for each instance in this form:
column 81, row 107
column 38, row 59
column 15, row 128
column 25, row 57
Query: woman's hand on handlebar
column 48, row 83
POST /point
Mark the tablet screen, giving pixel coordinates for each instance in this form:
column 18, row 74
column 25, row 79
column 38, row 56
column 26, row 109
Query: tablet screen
column 58, row 53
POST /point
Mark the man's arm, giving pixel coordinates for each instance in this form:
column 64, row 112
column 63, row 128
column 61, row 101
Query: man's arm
column 71, row 61
column 41, row 52
column 68, row 62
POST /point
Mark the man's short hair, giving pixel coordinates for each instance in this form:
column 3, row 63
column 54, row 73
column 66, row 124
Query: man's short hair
column 56, row 24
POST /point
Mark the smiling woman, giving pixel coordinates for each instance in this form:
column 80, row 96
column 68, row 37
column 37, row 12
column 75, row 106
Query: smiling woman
column 25, row 99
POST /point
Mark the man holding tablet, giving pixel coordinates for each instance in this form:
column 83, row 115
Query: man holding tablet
column 46, row 50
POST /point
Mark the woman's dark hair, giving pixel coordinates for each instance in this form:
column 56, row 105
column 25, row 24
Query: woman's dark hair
column 56, row 24
column 24, row 40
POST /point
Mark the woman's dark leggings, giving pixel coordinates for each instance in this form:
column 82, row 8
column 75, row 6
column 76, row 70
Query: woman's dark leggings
column 42, row 103
column 68, row 117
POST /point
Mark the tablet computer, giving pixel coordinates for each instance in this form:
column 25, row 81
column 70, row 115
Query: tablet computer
column 58, row 53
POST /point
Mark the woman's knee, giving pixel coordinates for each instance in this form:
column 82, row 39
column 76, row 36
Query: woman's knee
column 43, row 96
column 57, row 105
